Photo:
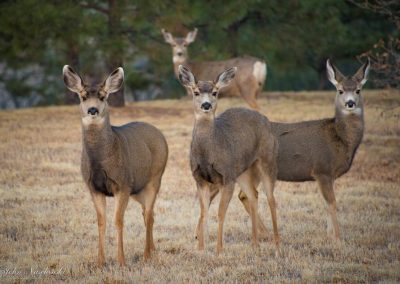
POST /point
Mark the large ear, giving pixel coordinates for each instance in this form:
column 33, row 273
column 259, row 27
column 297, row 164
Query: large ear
column 191, row 36
column 334, row 75
column 362, row 74
column 72, row 80
column 114, row 81
column 168, row 37
column 186, row 77
column 225, row 77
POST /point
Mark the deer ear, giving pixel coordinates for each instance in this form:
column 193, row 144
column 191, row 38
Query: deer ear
column 191, row 36
column 114, row 81
column 225, row 77
column 72, row 80
column 186, row 77
column 362, row 74
column 168, row 37
column 334, row 75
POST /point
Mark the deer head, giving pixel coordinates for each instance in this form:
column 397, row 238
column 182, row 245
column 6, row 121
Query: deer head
column 93, row 98
column 179, row 45
column 348, row 97
column 205, row 93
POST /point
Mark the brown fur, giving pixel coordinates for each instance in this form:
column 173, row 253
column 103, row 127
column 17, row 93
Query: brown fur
column 245, row 83
column 126, row 161
column 323, row 150
column 236, row 146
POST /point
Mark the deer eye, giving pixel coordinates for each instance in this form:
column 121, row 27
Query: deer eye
column 196, row 94
column 84, row 99
column 358, row 92
column 341, row 92
column 214, row 94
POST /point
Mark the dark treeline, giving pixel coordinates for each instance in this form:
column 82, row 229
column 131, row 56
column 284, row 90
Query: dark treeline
column 294, row 37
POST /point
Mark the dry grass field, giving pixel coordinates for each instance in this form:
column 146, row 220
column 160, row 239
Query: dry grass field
column 48, row 223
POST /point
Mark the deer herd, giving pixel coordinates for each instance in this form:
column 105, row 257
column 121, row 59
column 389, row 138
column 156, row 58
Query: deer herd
column 238, row 146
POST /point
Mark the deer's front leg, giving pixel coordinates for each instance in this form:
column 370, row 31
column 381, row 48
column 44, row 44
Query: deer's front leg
column 99, row 201
column 121, row 202
column 203, row 191
column 226, row 196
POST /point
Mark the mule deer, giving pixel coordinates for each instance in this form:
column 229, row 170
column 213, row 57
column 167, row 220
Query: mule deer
column 126, row 161
column 248, row 82
column 237, row 146
column 323, row 150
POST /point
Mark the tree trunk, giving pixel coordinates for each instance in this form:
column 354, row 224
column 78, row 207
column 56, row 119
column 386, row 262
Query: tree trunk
column 321, row 69
column 115, row 59
column 72, row 56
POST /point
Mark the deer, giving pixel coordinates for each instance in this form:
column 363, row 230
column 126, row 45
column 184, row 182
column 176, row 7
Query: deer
column 323, row 150
column 117, row 161
column 235, row 147
column 249, row 80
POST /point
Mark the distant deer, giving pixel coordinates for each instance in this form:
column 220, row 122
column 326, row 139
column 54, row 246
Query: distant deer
column 126, row 161
column 236, row 146
column 323, row 150
column 248, row 82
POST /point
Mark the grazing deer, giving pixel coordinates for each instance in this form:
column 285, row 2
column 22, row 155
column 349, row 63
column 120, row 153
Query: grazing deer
column 126, row 161
column 323, row 150
column 236, row 146
column 248, row 82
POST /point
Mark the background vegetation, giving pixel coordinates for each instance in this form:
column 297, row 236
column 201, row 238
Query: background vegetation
column 294, row 37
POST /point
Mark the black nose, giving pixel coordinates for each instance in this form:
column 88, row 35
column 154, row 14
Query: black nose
column 350, row 104
column 93, row 111
column 206, row 106
column 179, row 53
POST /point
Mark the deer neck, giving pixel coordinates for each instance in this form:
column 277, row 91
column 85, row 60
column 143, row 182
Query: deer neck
column 183, row 61
column 203, row 129
column 99, row 139
column 350, row 128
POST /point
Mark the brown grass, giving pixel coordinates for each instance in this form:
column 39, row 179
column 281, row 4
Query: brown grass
column 48, row 220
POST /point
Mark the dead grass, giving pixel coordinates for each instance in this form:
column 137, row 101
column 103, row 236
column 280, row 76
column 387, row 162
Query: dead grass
column 48, row 220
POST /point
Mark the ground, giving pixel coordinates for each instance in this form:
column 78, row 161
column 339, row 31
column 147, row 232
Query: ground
column 48, row 222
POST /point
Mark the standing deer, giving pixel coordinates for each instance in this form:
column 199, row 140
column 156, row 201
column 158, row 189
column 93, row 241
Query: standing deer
column 323, row 150
column 248, row 82
column 126, row 161
column 236, row 146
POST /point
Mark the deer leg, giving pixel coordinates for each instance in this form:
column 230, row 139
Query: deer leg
column 149, row 198
column 204, row 198
column 326, row 186
column 99, row 201
column 268, row 179
column 121, row 202
column 263, row 232
column 249, row 93
column 246, row 184
column 213, row 193
column 226, row 196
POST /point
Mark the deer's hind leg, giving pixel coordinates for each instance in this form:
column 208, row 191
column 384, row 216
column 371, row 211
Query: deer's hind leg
column 262, row 230
column 249, row 94
column 99, row 201
column 147, row 198
column 246, row 184
column 267, row 171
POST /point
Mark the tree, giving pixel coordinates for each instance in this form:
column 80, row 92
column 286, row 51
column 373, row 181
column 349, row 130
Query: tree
column 385, row 54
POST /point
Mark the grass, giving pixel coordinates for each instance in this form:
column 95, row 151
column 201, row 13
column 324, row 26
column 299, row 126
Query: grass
column 48, row 222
